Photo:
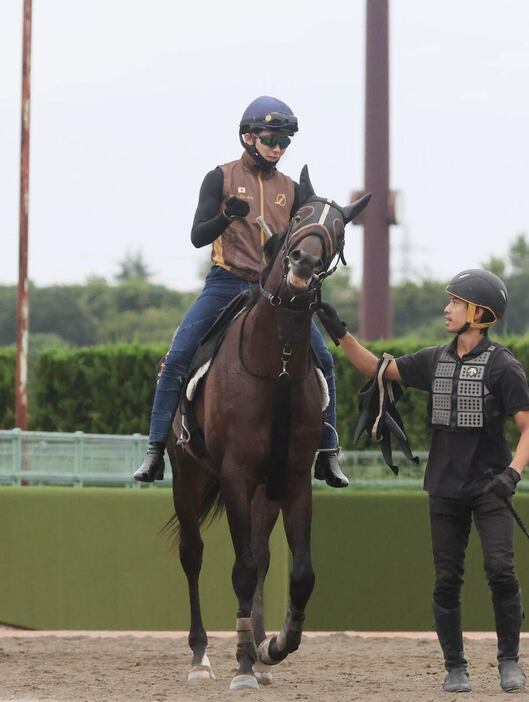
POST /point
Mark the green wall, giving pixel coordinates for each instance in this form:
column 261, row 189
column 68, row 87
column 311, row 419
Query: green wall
column 373, row 563
column 93, row 558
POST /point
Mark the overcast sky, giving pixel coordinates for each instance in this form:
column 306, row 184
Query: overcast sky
column 133, row 101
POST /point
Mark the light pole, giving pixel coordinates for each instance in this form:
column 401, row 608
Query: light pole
column 21, row 372
column 375, row 306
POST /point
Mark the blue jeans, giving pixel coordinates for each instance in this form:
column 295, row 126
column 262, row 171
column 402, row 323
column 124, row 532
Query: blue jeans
column 220, row 288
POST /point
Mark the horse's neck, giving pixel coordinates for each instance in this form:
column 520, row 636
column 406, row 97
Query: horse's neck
column 263, row 349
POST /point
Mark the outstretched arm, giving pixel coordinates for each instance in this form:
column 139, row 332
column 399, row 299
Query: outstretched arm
column 360, row 357
column 364, row 360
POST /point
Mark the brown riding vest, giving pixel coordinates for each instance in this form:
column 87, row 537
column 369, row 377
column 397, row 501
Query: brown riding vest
column 271, row 195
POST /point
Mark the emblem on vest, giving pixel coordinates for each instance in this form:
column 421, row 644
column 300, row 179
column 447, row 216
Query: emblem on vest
column 281, row 199
column 458, row 397
column 241, row 192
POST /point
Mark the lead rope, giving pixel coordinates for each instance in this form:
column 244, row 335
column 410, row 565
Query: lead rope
column 386, row 360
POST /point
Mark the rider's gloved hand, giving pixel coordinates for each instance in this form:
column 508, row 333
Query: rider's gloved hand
column 504, row 484
column 336, row 327
column 235, row 207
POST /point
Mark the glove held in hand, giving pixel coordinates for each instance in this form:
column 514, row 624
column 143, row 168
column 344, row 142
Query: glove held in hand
column 335, row 327
column 235, row 207
column 504, row 484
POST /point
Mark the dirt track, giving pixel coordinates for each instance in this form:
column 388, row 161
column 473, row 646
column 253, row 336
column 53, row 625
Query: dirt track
column 327, row 668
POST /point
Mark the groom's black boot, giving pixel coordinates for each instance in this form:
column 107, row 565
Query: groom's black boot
column 448, row 627
column 509, row 616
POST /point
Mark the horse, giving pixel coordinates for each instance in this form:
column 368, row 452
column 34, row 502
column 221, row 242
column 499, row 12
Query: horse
column 259, row 408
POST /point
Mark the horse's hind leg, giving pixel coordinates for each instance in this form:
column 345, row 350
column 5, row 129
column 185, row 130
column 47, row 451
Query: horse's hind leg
column 187, row 500
column 297, row 507
column 237, row 498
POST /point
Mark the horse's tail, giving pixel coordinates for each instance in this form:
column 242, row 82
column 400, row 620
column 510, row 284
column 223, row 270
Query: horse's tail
column 211, row 508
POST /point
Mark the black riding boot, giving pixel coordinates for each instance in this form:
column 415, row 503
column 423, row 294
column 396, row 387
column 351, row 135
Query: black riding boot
column 328, row 468
column 509, row 616
column 448, row 627
column 153, row 466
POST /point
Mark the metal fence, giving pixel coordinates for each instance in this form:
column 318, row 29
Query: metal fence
column 53, row 458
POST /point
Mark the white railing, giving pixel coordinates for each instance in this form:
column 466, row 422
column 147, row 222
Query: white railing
column 54, row 458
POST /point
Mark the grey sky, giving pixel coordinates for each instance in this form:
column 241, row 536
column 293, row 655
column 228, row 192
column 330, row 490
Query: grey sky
column 133, row 101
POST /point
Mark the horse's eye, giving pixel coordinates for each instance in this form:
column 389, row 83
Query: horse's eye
column 297, row 219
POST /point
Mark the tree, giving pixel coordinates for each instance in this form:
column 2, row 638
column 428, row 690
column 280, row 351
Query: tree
column 519, row 255
column 418, row 306
column 133, row 267
column 495, row 265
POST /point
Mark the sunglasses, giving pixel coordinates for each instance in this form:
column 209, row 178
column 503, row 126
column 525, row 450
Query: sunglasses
column 273, row 140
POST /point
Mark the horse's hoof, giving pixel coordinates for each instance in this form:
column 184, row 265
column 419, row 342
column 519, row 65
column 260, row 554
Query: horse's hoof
column 244, row 682
column 263, row 674
column 202, row 671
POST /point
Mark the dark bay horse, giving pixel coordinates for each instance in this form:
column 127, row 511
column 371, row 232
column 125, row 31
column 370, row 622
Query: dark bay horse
column 260, row 411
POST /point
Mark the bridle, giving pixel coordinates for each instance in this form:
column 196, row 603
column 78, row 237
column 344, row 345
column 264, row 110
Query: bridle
column 290, row 317
column 332, row 242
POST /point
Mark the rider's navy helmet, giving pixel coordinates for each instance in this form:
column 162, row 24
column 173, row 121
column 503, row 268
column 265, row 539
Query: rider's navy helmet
column 268, row 113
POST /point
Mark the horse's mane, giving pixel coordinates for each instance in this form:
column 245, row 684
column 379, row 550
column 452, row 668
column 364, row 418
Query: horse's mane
column 271, row 248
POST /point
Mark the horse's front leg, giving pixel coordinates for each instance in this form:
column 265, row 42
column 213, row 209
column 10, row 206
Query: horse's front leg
column 264, row 516
column 237, row 493
column 297, row 512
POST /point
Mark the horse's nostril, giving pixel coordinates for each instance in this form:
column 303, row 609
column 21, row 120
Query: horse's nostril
column 295, row 256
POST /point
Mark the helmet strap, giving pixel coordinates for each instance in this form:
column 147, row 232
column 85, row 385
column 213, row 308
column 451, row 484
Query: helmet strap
column 471, row 313
column 262, row 163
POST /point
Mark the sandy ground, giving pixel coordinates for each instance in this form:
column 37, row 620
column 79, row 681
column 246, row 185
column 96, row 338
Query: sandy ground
column 328, row 668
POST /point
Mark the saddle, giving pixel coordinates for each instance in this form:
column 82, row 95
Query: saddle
column 379, row 417
column 191, row 435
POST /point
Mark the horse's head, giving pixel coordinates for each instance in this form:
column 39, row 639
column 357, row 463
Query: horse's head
column 312, row 246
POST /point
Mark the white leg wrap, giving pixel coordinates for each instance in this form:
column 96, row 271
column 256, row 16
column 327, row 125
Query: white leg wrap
column 263, row 654
column 244, row 630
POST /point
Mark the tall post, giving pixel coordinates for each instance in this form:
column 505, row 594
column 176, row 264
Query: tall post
column 375, row 313
column 21, row 372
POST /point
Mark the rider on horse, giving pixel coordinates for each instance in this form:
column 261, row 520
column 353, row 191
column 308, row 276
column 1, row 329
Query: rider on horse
column 232, row 196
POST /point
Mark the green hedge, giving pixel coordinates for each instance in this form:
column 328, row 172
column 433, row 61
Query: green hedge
column 109, row 389
column 7, row 388
column 101, row 390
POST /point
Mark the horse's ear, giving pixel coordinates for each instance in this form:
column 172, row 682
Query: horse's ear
column 306, row 191
column 353, row 210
